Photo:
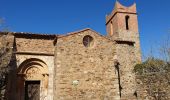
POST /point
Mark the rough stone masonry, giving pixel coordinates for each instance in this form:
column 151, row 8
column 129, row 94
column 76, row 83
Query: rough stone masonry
column 82, row 65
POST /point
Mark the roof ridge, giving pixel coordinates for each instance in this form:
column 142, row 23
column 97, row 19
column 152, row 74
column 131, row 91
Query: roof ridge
column 78, row 31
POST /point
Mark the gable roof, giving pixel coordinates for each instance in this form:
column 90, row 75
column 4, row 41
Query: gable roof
column 77, row 32
column 51, row 36
column 31, row 35
column 34, row 35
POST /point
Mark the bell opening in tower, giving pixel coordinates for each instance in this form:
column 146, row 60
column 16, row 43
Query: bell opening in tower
column 127, row 22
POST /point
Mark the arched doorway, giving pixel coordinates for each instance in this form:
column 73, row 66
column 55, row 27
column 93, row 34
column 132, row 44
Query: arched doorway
column 32, row 80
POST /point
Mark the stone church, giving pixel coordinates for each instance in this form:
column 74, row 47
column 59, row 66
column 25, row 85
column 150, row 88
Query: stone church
column 81, row 65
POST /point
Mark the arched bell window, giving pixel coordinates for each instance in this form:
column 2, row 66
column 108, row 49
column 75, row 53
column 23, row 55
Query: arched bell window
column 127, row 22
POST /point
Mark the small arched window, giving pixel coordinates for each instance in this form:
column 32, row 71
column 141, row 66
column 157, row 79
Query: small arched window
column 127, row 22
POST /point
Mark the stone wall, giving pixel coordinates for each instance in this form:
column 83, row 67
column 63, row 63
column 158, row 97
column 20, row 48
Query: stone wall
column 93, row 67
column 127, row 59
column 34, row 45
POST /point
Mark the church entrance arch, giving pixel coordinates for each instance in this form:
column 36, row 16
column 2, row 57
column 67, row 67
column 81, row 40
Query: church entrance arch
column 32, row 80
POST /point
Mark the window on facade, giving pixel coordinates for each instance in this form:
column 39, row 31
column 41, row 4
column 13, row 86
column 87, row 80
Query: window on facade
column 127, row 22
column 88, row 41
column 111, row 28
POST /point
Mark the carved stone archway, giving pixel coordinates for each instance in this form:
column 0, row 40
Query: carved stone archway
column 32, row 70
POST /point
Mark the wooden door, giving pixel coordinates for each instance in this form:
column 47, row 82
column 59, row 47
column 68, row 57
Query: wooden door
column 32, row 90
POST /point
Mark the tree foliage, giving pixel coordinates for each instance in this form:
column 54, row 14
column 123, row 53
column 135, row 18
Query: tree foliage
column 151, row 65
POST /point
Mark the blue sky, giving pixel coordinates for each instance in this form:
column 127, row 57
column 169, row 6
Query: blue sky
column 62, row 16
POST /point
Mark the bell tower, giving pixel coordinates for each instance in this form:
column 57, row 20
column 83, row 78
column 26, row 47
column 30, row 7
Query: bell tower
column 122, row 19
column 122, row 27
